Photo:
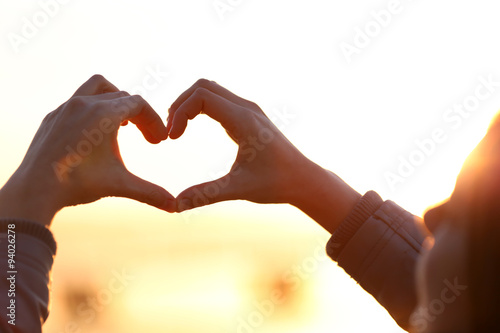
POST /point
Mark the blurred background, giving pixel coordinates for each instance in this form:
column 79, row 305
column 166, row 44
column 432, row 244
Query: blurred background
column 390, row 95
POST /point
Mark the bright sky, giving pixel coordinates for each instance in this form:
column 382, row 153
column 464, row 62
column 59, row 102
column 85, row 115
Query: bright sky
column 390, row 95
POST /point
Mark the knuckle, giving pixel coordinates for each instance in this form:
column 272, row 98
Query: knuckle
column 128, row 103
column 201, row 92
column 123, row 93
column 252, row 105
column 50, row 114
column 101, row 84
column 77, row 102
column 137, row 98
column 97, row 78
column 125, row 106
column 202, row 82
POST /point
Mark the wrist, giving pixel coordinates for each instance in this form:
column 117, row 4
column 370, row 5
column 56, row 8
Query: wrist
column 324, row 197
column 30, row 197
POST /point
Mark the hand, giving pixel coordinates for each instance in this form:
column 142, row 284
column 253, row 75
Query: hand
column 74, row 157
column 267, row 169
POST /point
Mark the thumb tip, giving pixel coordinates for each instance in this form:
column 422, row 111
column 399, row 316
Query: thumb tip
column 163, row 201
column 183, row 205
column 169, row 206
column 198, row 196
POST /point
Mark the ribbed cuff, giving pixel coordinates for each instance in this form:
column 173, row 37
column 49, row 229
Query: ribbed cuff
column 364, row 208
column 30, row 228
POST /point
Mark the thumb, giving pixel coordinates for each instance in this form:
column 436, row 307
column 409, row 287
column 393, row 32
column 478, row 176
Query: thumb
column 133, row 187
column 206, row 194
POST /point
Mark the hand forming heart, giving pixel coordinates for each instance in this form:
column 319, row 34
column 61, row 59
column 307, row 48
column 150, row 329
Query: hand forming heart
column 75, row 156
column 267, row 169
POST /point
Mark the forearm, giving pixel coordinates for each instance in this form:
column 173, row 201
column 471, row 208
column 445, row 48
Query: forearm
column 323, row 196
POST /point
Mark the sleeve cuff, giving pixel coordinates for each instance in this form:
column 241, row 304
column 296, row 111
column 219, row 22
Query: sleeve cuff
column 30, row 228
column 366, row 206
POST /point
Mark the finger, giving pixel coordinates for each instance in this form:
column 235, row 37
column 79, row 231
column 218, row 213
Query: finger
column 213, row 105
column 206, row 194
column 111, row 96
column 108, row 96
column 138, row 189
column 96, row 85
column 213, row 87
column 209, row 85
column 136, row 110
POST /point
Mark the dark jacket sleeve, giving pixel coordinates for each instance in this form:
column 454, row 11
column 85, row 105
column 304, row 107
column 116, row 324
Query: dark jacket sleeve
column 378, row 245
column 25, row 280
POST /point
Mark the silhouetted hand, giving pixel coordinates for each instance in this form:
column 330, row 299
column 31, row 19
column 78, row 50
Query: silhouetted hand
column 267, row 169
column 74, row 157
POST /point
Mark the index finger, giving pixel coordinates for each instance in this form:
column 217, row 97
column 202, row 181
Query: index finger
column 213, row 105
column 211, row 86
column 136, row 110
column 96, row 85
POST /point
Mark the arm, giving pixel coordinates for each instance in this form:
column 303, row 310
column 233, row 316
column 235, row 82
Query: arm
column 73, row 159
column 377, row 243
